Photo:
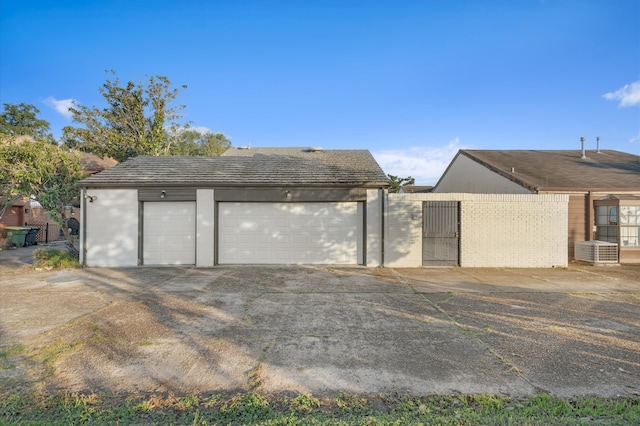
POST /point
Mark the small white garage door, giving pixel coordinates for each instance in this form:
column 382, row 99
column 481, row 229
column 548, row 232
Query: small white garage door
column 287, row 233
column 169, row 234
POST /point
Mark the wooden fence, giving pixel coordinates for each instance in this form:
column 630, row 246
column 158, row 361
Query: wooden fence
column 48, row 232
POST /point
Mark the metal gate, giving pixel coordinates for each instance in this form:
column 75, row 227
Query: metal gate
column 441, row 233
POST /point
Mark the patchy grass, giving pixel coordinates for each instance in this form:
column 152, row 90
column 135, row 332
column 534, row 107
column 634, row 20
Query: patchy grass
column 9, row 352
column 54, row 258
column 54, row 352
column 341, row 409
column 304, row 403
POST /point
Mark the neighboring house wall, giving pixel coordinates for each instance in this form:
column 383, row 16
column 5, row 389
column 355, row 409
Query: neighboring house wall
column 496, row 230
column 579, row 229
column 466, row 175
column 581, row 220
column 23, row 213
column 13, row 216
column 111, row 227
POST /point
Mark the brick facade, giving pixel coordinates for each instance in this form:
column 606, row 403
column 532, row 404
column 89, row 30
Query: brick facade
column 496, row 230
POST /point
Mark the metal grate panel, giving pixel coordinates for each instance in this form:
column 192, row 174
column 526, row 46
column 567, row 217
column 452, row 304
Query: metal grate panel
column 441, row 233
column 596, row 251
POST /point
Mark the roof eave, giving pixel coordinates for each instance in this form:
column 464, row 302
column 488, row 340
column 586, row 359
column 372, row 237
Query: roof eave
column 368, row 184
column 583, row 189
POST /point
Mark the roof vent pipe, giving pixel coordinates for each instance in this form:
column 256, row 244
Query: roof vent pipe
column 583, row 156
column 598, row 144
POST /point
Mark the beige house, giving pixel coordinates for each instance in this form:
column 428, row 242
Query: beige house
column 249, row 206
column 603, row 188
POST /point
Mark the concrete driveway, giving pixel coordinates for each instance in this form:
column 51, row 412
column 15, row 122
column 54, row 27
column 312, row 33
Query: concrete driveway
column 322, row 330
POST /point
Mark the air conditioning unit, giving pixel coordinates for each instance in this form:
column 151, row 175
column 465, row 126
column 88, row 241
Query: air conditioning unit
column 596, row 251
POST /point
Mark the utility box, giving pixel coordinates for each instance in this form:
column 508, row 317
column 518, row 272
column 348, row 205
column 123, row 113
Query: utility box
column 596, row 251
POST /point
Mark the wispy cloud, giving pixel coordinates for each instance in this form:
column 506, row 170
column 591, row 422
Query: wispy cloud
column 629, row 95
column 635, row 139
column 201, row 129
column 61, row 106
column 425, row 164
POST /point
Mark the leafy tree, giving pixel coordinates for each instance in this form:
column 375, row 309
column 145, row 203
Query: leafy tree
column 395, row 182
column 138, row 120
column 22, row 120
column 192, row 142
column 41, row 170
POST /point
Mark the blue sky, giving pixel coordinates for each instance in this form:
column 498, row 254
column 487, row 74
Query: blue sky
column 412, row 81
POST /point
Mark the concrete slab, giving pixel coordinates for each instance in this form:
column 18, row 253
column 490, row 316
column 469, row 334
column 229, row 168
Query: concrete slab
column 322, row 330
column 414, row 362
column 576, row 278
column 566, row 344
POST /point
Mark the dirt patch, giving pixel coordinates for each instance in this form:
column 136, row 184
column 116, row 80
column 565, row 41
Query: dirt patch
column 138, row 345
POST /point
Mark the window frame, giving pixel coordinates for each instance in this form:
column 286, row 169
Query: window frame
column 617, row 220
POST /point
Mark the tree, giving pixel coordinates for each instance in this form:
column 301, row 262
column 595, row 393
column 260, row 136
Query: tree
column 192, row 142
column 138, row 120
column 41, row 170
column 395, row 182
column 22, row 120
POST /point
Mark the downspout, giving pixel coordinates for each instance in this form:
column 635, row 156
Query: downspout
column 590, row 216
column 382, row 223
column 83, row 227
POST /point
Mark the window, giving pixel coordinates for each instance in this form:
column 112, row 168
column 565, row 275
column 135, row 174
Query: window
column 607, row 223
column 630, row 236
column 619, row 225
column 630, row 226
column 629, row 215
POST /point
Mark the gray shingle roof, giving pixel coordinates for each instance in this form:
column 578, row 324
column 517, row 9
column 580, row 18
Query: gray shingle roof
column 560, row 169
column 248, row 167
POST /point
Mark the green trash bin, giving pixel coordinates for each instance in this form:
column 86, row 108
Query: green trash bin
column 17, row 234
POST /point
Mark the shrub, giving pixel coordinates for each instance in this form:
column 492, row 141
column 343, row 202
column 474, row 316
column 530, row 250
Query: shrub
column 50, row 257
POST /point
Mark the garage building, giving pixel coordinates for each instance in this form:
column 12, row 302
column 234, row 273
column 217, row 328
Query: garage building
column 249, row 206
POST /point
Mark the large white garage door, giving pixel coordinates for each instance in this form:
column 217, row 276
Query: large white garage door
column 285, row 233
column 169, row 234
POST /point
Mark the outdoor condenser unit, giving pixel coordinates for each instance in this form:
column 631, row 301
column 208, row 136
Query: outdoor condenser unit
column 596, row 251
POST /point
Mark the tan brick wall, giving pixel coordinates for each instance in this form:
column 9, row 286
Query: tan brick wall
column 497, row 230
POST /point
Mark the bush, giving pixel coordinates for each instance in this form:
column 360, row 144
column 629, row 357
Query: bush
column 53, row 258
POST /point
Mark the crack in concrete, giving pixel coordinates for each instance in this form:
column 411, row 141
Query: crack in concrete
column 513, row 368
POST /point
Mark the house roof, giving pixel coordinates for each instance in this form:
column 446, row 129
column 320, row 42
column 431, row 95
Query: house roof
column 91, row 163
column 416, row 189
column 563, row 169
column 248, row 167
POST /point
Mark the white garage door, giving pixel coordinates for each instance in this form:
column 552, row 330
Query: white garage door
column 169, row 234
column 285, row 233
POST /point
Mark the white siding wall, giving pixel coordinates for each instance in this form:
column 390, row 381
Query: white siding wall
column 205, row 227
column 465, row 175
column 496, row 230
column 111, row 228
column 403, row 232
column 360, row 234
column 374, row 227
